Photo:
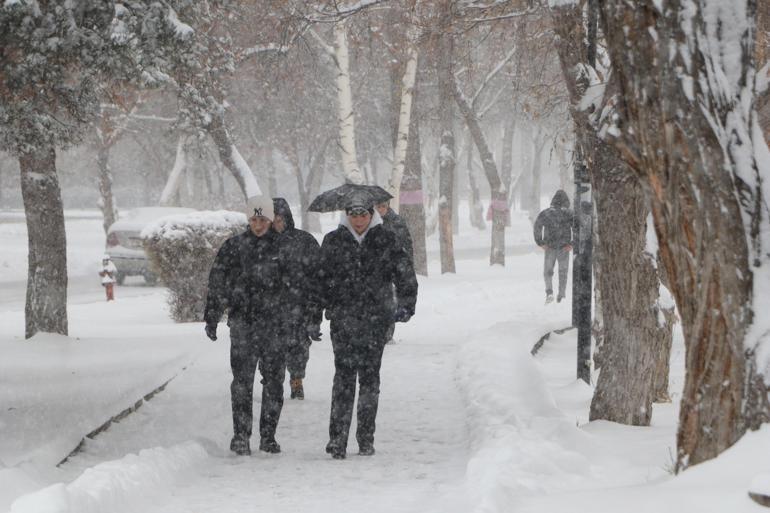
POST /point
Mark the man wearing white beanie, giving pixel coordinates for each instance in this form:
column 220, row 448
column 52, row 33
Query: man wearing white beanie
column 246, row 282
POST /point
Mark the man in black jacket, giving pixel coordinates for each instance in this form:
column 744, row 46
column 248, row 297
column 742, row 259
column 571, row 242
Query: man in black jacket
column 553, row 233
column 301, row 254
column 394, row 223
column 360, row 263
column 247, row 281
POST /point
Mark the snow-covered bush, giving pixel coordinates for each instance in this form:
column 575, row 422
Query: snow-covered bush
column 181, row 249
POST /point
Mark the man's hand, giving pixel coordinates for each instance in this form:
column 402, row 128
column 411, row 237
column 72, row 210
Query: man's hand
column 313, row 331
column 402, row 315
column 568, row 247
column 211, row 331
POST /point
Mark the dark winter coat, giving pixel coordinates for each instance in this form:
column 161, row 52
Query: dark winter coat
column 553, row 226
column 247, row 280
column 301, row 256
column 396, row 224
column 357, row 279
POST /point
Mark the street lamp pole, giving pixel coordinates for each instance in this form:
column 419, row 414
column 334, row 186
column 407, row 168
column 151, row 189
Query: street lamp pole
column 582, row 283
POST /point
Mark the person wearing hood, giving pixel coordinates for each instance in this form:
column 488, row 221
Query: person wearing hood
column 394, row 223
column 300, row 253
column 361, row 262
column 553, row 233
column 247, row 281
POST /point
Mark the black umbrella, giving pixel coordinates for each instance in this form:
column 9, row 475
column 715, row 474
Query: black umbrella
column 349, row 195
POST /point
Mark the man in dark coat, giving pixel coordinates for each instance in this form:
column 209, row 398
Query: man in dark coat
column 553, row 233
column 301, row 258
column 247, row 282
column 360, row 263
column 394, row 223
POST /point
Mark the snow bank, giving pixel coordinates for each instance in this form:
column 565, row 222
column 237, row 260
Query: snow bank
column 120, row 485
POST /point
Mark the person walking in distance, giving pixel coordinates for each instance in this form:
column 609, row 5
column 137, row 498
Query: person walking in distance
column 246, row 281
column 553, row 233
column 360, row 264
column 301, row 254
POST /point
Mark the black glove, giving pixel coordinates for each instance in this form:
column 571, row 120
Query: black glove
column 313, row 331
column 211, row 331
column 402, row 315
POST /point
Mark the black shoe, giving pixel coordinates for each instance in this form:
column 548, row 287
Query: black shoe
column 559, row 298
column 240, row 446
column 337, row 452
column 269, row 445
column 366, row 450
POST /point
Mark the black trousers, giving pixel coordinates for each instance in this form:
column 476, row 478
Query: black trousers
column 297, row 353
column 358, row 348
column 251, row 345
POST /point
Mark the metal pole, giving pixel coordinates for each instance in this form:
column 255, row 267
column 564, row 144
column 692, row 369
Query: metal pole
column 582, row 282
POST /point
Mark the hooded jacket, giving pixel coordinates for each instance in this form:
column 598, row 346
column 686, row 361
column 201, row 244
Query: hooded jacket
column 357, row 278
column 300, row 253
column 553, row 226
column 396, row 224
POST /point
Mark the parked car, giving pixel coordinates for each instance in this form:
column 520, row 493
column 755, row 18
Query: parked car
column 124, row 243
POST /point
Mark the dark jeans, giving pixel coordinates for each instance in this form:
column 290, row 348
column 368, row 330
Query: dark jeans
column 552, row 256
column 252, row 344
column 297, row 353
column 358, row 347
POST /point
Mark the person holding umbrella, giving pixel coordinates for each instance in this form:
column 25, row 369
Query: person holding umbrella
column 360, row 264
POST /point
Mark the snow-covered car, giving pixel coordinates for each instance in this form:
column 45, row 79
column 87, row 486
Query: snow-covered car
column 124, row 242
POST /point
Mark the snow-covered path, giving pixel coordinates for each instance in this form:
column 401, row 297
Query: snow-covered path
column 422, row 440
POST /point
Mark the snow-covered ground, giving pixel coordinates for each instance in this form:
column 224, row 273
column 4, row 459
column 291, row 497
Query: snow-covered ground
column 468, row 420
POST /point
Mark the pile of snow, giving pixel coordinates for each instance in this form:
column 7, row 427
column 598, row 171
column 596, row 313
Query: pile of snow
column 121, row 485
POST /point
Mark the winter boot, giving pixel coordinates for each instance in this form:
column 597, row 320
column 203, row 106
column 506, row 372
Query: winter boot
column 269, row 445
column 365, row 450
column 548, row 298
column 337, row 452
column 297, row 392
column 559, row 298
column 240, row 446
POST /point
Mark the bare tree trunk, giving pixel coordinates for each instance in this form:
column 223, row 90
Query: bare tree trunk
column 687, row 130
column 506, row 158
column 412, row 200
column 169, row 195
column 499, row 203
column 446, row 152
column 231, row 157
column 404, row 122
column 476, row 209
column 272, row 183
column 107, row 200
column 629, row 338
column 46, row 306
column 345, row 113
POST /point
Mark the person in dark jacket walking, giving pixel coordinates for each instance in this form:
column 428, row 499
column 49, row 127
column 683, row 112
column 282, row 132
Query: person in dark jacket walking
column 247, row 282
column 553, row 233
column 360, row 263
column 394, row 223
column 301, row 254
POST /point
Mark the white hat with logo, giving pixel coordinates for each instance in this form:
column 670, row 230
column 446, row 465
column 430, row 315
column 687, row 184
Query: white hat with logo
column 259, row 206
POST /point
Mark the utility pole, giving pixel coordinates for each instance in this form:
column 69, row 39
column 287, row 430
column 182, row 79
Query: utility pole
column 582, row 267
